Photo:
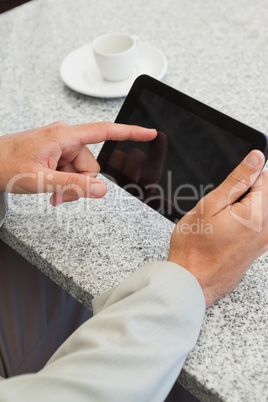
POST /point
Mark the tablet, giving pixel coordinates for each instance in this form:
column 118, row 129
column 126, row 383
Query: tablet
column 195, row 149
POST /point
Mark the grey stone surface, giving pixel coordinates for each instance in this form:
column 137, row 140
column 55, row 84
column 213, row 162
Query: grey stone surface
column 218, row 53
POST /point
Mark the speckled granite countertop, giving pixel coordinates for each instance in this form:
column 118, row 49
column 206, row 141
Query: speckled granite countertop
column 218, row 53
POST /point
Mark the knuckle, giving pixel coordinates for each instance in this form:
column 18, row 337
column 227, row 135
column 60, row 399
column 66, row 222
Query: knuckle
column 60, row 123
column 55, row 128
column 238, row 180
column 72, row 182
column 107, row 126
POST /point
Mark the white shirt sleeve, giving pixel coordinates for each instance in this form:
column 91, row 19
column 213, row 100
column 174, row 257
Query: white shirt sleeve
column 133, row 348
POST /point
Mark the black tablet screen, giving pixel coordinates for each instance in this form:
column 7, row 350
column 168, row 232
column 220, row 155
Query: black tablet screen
column 189, row 157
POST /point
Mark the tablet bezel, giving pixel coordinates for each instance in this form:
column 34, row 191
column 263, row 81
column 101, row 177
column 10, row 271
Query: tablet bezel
column 213, row 116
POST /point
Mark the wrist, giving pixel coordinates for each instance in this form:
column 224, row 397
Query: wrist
column 199, row 273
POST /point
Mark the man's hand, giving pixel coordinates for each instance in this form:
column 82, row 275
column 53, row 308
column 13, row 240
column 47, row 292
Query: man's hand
column 220, row 238
column 55, row 159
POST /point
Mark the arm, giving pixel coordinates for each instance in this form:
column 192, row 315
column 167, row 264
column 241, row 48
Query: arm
column 137, row 343
column 133, row 349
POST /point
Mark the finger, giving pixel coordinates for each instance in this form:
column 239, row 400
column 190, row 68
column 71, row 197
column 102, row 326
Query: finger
column 261, row 184
column 237, row 183
column 93, row 133
column 69, row 168
column 259, row 192
column 252, row 211
column 73, row 184
column 84, row 162
column 57, row 199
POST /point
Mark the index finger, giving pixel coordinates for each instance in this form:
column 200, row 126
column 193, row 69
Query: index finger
column 93, row 133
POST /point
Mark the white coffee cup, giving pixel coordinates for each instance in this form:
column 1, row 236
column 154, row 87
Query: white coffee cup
column 115, row 55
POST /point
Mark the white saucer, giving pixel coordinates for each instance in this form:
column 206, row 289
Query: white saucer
column 80, row 73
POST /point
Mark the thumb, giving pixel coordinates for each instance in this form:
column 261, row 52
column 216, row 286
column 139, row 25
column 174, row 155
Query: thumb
column 237, row 183
column 72, row 186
